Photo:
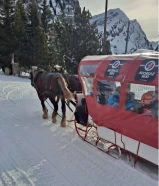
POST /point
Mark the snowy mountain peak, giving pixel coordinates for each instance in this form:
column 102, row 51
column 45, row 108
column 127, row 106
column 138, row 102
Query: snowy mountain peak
column 113, row 15
column 117, row 27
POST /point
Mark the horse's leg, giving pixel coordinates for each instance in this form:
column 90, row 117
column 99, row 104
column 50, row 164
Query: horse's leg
column 54, row 114
column 45, row 110
column 63, row 107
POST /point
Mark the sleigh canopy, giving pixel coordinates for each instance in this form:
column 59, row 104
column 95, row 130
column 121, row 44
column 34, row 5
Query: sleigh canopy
column 121, row 92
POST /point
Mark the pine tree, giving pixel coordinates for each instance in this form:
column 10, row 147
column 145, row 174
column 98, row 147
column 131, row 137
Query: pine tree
column 76, row 38
column 20, row 28
column 2, row 37
column 36, row 35
column 7, row 37
column 46, row 16
column 57, row 4
column 86, row 36
column 63, row 39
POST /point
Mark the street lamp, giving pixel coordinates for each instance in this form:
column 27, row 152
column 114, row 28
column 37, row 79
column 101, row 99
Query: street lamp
column 105, row 27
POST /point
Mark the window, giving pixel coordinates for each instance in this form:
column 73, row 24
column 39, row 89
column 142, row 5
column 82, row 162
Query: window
column 108, row 93
column 142, row 99
column 88, row 70
column 88, row 85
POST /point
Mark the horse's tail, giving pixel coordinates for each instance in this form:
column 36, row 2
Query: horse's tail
column 67, row 94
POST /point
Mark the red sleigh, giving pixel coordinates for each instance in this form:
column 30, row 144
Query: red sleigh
column 120, row 95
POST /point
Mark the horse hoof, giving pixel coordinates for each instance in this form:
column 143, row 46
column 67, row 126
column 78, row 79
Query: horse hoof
column 45, row 116
column 63, row 124
column 54, row 120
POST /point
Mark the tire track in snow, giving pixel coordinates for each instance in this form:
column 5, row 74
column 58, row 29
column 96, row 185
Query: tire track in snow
column 20, row 177
column 57, row 181
column 15, row 177
column 55, row 177
column 10, row 91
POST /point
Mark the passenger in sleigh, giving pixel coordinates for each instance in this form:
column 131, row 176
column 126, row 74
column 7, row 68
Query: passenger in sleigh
column 130, row 103
column 114, row 98
column 104, row 89
column 149, row 104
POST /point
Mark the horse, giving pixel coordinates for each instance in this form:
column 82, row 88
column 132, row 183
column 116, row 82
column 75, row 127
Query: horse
column 72, row 80
column 51, row 85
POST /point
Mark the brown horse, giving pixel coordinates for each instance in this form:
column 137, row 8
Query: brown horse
column 72, row 80
column 51, row 85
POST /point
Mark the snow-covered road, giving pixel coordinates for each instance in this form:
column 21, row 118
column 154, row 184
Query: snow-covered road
column 36, row 152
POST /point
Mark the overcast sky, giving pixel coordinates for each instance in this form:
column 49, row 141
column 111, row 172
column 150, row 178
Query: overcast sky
column 145, row 11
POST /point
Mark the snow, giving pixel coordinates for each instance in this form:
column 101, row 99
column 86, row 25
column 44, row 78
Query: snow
column 36, row 152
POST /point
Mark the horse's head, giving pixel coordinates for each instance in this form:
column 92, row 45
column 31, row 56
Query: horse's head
column 34, row 73
column 59, row 69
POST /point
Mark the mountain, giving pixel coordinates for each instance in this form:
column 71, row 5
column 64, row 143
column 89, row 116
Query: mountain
column 117, row 26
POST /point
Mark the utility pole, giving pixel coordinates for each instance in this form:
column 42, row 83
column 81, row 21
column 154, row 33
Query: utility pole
column 127, row 38
column 105, row 27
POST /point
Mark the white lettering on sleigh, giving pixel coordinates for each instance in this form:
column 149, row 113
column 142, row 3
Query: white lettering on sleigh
column 146, row 74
